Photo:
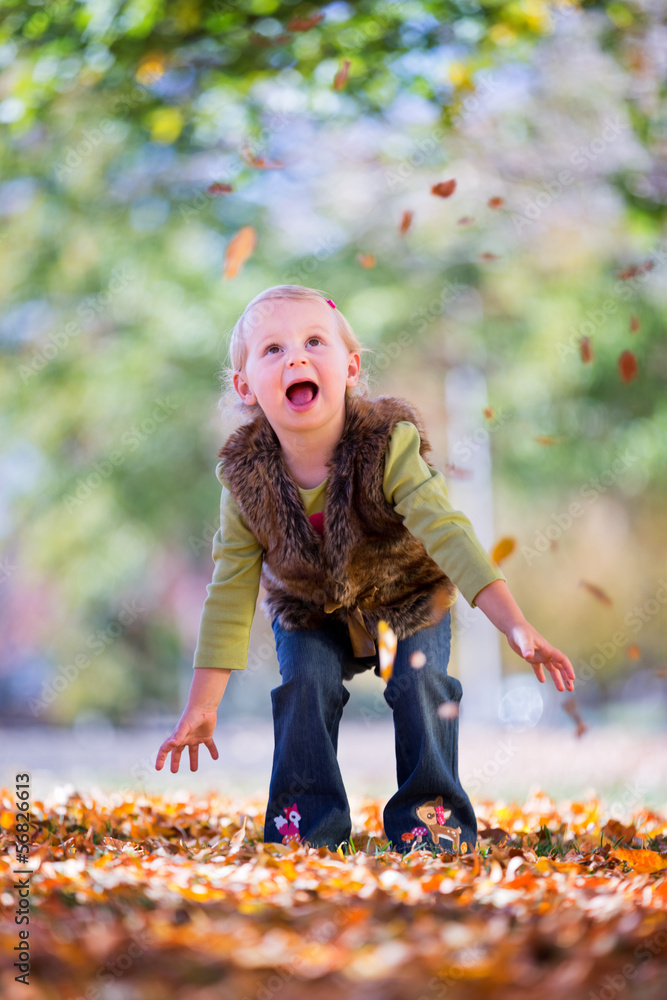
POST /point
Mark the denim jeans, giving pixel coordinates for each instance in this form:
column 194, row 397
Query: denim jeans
column 307, row 798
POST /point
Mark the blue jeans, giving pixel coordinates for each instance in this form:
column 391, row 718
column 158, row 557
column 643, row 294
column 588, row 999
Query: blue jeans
column 307, row 798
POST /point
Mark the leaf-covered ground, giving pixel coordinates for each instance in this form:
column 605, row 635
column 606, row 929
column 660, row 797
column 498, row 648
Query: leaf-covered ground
column 158, row 898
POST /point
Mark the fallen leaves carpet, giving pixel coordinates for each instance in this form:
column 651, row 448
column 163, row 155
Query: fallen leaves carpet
column 153, row 897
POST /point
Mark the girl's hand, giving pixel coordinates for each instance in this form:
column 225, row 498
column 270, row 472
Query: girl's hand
column 195, row 726
column 534, row 648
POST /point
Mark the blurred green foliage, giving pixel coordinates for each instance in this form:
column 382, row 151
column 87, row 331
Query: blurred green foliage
column 117, row 119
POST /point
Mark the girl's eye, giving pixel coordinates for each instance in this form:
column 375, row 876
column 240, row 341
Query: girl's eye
column 308, row 341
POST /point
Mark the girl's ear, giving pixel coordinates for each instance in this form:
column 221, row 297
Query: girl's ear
column 243, row 389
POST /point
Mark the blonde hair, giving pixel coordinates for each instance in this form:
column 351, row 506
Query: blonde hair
column 238, row 346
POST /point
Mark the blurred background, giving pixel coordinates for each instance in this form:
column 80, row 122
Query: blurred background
column 481, row 188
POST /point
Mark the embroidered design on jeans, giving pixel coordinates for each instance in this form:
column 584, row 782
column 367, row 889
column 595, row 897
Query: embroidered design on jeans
column 433, row 815
column 288, row 825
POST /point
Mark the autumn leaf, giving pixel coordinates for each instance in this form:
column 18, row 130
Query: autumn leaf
column 196, row 879
column 219, row 188
column 304, row 23
column 465, row 220
column 572, row 709
column 632, row 272
column 239, row 248
column 627, row 366
column 502, row 549
column 406, row 221
column 634, row 652
column 258, row 161
column 549, row 438
column 340, row 79
column 487, row 255
column 596, row 591
column 641, row 860
column 489, row 412
column 366, row 259
column 586, row 349
column 496, row 202
column 456, row 472
column 444, row 188
column 634, row 324
column 387, row 645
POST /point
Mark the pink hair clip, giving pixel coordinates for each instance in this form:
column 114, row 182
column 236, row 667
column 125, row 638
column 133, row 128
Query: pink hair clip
column 332, row 304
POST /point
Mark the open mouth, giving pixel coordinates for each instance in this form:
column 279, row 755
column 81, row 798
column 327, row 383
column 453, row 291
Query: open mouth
column 302, row 393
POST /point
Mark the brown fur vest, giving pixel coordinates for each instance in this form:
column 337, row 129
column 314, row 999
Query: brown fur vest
column 366, row 558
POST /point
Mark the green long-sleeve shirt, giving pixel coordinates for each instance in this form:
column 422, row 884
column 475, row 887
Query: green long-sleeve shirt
column 414, row 489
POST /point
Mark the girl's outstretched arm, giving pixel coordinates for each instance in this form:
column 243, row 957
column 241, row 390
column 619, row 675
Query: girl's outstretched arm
column 499, row 606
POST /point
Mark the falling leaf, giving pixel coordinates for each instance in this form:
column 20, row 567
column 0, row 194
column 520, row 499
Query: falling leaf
column 304, row 23
column 417, row 659
column 239, row 248
column 627, row 366
column 366, row 259
column 218, row 187
column 496, row 202
column 258, row 161
column 634, row 652
column 586, row 349
column 238, row 838
column 570, row 706
column 444, row 188
column 487, row 255
column 596, row 591
column 489, row 413
column 550, row 438
column 634, row 324
column 341, row 76
column 387, row 643
column 265, row 42
column 631, row 272
column 465, row 220
column 502, row 549
column 406, row 221
column 456, row 472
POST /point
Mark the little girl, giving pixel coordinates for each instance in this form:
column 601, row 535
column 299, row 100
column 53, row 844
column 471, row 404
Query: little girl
column 328, row 502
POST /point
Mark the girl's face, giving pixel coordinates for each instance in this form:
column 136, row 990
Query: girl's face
column 296, row 341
